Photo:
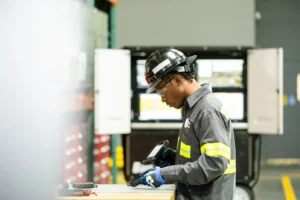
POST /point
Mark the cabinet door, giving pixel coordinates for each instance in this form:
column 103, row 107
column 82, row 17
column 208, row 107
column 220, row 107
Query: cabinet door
column 265, row 90
column 112, row 91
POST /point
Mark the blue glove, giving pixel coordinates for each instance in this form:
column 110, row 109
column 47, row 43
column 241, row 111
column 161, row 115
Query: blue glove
column 151, row 177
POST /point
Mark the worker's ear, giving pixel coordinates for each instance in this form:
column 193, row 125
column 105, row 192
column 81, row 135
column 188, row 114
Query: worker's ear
column 178, row 79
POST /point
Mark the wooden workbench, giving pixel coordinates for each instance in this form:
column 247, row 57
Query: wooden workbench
column 124, row 192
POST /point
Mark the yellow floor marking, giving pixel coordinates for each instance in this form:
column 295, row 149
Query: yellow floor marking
column 288, row 188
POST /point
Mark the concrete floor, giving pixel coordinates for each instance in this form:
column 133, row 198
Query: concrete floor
column 278, row 183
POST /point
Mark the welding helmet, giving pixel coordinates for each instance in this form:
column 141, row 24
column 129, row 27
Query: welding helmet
column 163, row 62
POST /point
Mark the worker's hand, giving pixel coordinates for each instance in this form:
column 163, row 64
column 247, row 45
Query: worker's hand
column 165, row 158
column 151, row 177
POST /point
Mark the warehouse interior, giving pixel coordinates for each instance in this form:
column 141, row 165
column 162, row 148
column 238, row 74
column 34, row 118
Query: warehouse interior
column 74, row 108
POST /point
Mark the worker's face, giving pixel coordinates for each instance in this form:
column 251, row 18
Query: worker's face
column 171, row 91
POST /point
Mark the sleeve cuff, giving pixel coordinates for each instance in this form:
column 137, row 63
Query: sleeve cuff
column 169, row 174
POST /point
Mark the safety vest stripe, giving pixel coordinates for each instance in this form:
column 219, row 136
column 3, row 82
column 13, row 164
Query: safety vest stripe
column 216, row 149
column 224, row 112
column 185, row 150
column 231, row 167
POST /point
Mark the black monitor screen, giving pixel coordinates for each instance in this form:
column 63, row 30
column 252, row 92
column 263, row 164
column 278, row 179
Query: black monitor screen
column 220, row 72
column 152, row 108
column 234, row 103
column 140, row 74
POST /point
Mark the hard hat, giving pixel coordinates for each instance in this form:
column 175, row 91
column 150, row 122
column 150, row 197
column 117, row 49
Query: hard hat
column 162, row 62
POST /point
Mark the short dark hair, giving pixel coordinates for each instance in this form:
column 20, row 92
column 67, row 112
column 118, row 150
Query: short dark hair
column 189, row 76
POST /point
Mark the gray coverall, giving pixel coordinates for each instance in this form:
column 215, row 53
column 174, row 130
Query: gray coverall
column 205, row 157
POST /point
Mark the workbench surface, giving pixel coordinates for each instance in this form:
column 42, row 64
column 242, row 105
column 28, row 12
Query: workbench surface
column 120, row 191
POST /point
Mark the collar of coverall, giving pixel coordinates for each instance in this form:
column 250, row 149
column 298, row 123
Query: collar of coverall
column 198, row 94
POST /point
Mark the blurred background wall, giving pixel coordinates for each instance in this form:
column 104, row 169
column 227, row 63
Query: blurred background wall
column 186, row 23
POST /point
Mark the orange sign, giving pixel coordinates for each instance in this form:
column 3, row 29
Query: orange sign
column 113, row 2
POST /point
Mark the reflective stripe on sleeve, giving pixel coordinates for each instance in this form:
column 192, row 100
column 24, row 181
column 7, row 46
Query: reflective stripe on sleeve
column 216, row 149
column 177, row 142
column 185, row 150
column 231, row 167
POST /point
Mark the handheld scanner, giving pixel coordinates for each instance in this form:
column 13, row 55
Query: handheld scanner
column 154, row 155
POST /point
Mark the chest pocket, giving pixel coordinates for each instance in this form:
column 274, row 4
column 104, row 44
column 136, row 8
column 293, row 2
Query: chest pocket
column 184, row 144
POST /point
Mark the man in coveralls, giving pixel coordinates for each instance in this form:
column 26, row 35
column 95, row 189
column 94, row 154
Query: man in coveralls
column 203, row 165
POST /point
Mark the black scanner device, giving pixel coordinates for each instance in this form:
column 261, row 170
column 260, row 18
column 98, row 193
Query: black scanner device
column 152, row 158
column 155, row 153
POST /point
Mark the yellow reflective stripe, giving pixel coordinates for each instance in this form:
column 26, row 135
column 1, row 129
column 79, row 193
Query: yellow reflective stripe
column 224, row 112
column 216, row 149
column 185, row 150
column 231, row 167
column 177, row 143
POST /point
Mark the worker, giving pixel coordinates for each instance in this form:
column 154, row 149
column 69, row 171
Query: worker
column 203, row 164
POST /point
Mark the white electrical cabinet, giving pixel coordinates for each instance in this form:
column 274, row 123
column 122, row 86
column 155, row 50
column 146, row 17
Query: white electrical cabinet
column 112, row 91
column 265, row 91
